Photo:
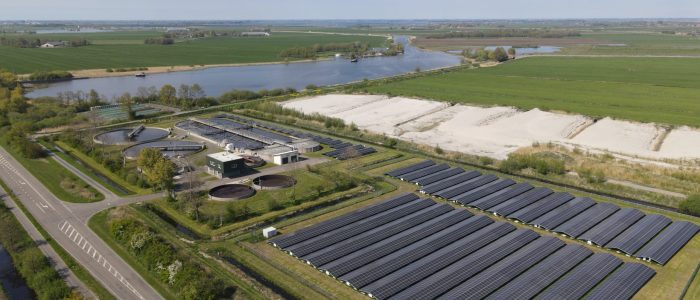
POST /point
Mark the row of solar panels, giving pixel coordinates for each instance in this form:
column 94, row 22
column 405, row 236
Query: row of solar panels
column 411, row 248
column 649, row 237
column 342, row 150
column 219, row 136
column 226, row 120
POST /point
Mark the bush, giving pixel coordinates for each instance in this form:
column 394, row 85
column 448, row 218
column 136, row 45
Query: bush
column 544, row 166
column 691, row 205
column 53, row 75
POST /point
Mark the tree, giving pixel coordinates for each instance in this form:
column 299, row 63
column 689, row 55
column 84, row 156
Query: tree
column 148, row 158
column 197, row 92
column 168, row 94
column 511, row 52
column 499, row 55
column 127, row 104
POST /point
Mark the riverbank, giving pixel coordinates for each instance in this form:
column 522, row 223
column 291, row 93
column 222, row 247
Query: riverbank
column 102, row 73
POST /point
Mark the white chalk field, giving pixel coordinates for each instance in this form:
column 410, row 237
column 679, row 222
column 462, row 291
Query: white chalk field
column 498, row 131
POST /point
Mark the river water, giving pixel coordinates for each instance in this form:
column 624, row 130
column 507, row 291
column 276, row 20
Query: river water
column 216, row 81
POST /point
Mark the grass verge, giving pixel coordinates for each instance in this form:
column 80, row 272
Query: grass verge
column 51, row 174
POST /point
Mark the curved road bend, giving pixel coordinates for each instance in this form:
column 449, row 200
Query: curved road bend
column 71, row 232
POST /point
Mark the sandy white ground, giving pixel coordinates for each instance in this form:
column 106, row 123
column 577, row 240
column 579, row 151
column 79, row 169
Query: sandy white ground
column 498, row 131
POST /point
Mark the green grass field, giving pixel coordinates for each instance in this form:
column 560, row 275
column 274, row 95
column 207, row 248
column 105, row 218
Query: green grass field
column 126, row 49
column 663, row 90
column 638, row 44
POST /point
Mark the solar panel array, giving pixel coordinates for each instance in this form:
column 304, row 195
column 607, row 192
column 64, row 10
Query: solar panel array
column 412, row 248
column 342, row 150
column 219, row 136
column 625, row 230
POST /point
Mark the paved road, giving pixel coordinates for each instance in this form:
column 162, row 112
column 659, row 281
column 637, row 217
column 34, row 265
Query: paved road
column 69, row 229
column 58, row 263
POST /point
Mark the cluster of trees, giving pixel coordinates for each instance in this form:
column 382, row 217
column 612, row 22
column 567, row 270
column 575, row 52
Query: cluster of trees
column 313, row 51
column 542, row 165
column 394, row 49
column 17, row 138
column 30, row 262
column 499, row 54
column 166, row 39
column 503, row 33
column 20, row 42
column 159, row 170
column 185, row 277
column 49, row 75
column 691, row 205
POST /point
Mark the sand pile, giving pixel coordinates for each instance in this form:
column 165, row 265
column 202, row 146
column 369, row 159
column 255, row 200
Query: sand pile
column 498, row 131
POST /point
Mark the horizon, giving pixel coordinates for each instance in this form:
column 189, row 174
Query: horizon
column 130, row 10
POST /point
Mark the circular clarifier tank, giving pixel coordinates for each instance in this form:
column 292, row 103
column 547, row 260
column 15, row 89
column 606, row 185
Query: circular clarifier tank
column 230, row 192
column 272, row 182
column 128, row 136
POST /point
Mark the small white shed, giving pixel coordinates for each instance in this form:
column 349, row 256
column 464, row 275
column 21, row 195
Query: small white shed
column 269, row 232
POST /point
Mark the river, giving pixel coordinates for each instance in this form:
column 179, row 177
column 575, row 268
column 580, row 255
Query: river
column 216, row 81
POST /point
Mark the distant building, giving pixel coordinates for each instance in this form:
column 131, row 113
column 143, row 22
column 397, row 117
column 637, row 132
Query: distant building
column 225, row 164
column 53, row 44
column 255, row 33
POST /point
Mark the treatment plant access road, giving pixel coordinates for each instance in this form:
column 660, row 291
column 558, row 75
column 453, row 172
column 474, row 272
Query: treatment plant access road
column 67, row 225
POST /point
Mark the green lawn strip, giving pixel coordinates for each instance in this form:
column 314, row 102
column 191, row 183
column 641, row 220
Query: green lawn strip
column 74, row 266
column 50, row 173
column 101, row 169
column 167, row 231
column 98, row 224
column 90, row 173
column 206, row 51
column 621, row 88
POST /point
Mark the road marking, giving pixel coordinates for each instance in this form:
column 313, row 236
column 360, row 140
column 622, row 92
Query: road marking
column 78, row 238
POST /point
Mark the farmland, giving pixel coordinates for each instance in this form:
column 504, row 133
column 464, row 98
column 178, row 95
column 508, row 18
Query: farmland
column 662, row 90
column 126, row 50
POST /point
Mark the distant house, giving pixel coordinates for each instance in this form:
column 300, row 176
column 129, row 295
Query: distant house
column 255, row 33
column 53, row 44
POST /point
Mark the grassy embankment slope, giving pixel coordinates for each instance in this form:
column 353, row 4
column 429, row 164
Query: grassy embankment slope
column 663, row 90
column 126, row 49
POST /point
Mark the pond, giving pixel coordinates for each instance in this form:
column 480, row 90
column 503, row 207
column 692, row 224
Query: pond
column 216, row 81
column 13, row 284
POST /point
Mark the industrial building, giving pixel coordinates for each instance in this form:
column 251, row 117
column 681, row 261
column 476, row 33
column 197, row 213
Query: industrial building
column 225, row 164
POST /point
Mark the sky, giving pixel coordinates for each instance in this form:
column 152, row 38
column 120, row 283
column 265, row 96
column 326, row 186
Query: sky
column 336, row 9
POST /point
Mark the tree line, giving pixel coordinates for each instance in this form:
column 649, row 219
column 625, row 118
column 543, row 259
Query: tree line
column 503, row 33
column 313, row 51
column 20, row 42
column 499, row 54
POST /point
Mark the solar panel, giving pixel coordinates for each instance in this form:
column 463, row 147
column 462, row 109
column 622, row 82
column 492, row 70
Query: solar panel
column 484, row 191
column 438, row 176
column 665, row 245
column 537, row 278
column 520, row 201
column 465, row 186
column 458, row 272
column 377, row 234
column 437, row 260
column 623, row 283
column 508, row 268
column 411, row 168
column 605, row 231
column 332, row 237
column 581, row 279
column 542, row 206
column 587, row 219
column 563, row 213
column 397, row 260
column 452, row 181
column 378, row 250
column 332, row 224
column 501, row 196
column 424, row 172
column 634, row 237
column 338, row 152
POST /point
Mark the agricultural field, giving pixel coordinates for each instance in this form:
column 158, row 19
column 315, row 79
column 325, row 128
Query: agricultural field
column 661, row 90
column 127, row 50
